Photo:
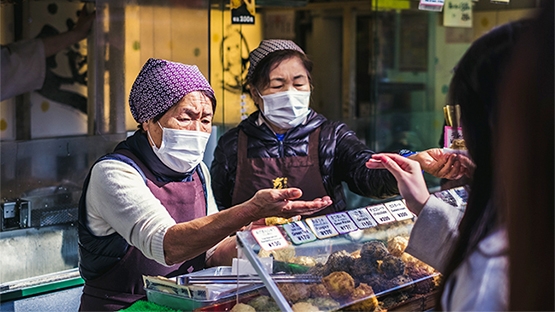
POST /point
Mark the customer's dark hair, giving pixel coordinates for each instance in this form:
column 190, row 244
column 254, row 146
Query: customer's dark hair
column 260, row 78
column 474, row 87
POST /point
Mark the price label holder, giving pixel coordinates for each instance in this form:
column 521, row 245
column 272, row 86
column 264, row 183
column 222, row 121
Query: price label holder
column 399, row 211
column 269, row 238
column 447, row 197
column 460, row 194
column 362, row 218
column 321, row 227
column 299, row 232
column 342, row 222
column 380, row 214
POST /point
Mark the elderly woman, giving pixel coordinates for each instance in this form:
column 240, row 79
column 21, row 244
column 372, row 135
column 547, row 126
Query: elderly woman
column 147, row 208
column 287, row 144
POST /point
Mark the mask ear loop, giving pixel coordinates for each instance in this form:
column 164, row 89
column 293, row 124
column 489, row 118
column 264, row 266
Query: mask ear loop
column 150, row 137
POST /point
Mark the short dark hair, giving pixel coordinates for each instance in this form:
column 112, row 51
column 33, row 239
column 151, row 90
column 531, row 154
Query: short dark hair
column 260, row 78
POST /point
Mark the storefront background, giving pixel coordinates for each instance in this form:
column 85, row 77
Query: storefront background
column 382, row 67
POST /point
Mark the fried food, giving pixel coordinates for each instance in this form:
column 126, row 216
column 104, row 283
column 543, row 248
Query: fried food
column 363, row 291
column 304, row 307
column 294, row 292
column 392, row 266
column 373, row 251
column 339, row 261
column 242, row 307
column 397, row 245
column 339, row 284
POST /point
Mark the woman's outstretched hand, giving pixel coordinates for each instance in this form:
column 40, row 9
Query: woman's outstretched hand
column 408, row 173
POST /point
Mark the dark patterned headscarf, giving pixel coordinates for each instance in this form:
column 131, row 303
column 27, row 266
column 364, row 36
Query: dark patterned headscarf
column 266, row 47
column 161, row 84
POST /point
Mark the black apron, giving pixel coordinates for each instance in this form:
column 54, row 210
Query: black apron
column 302, row 172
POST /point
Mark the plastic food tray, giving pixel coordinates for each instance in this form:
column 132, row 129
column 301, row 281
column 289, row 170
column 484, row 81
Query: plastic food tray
column 191, row 297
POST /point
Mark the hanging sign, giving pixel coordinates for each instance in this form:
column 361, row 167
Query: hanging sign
column 431, row 5
column 242, row 11
column 457, row 13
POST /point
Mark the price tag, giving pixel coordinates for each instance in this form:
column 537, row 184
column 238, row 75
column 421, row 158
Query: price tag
column 447, row 197
column 362, row 218
column 399, row 211
column 269, row 238
column 380, row 214
column 299, row 232
column 321, row 227
column 460, row 193
column 342, row 222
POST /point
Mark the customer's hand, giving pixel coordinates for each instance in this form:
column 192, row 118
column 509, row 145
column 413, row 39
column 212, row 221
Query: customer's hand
column 443, row 165
column 410, row 180
column 282, row 203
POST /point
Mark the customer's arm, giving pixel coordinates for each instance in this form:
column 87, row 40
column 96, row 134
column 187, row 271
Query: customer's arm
column 55, row 44
column 436, row 227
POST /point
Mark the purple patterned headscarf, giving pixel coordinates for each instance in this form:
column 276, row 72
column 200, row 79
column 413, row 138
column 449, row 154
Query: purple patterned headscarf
column 266, row 47
column 160, row 85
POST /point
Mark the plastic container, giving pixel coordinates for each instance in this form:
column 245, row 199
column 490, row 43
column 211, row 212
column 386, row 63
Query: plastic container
column 191, row 297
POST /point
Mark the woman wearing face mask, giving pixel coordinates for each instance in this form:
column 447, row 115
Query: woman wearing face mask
column 287, row 144
column 147, row 208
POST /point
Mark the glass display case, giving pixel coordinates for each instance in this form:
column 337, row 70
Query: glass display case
column 349, row 261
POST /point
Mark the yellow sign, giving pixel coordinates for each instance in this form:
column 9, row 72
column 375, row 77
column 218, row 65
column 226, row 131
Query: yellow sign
column 391, row 4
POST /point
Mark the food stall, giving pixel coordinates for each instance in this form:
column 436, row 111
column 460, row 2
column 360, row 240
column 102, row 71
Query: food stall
column 351, row 261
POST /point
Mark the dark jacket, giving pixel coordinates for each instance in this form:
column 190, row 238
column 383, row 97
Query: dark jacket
column 342, row 158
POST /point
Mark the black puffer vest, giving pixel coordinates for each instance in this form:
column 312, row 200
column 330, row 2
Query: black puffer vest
column 342, row 158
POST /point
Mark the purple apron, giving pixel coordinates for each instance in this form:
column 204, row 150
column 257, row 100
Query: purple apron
column 122, row 285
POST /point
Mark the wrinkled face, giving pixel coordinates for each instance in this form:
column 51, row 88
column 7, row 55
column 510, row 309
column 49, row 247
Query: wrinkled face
column 290, row 74
column 192, row 112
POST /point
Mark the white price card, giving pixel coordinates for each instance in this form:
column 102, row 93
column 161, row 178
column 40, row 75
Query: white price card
column 399, row 211
column 380, row 214
column 321, row 227
column 362, row 218
column 269, row 238
column 342, row 222
column 299, row 232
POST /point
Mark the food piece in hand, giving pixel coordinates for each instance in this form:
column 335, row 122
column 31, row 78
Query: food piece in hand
column 242, row 307
column 339, row 284
column 392, row 266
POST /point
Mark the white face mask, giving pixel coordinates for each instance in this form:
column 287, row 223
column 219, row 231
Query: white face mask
column 286, row 109
column 181, row 150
